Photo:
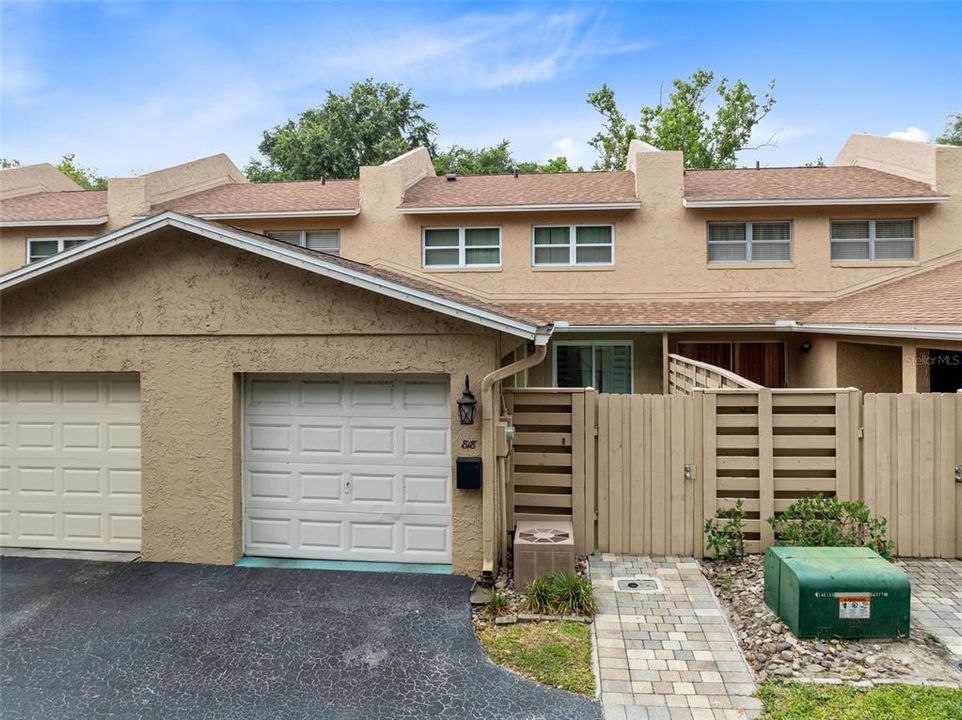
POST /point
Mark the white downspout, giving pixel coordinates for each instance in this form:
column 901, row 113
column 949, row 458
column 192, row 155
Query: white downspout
column 488, row 442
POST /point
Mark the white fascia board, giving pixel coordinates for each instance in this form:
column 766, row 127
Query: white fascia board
column 927, row 332
column 269, row 249
column 54, row 223
column 550, row 207
column 267, row 214
column 928, row 200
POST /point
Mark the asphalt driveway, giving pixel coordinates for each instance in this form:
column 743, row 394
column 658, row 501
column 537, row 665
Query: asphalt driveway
column 87, row 640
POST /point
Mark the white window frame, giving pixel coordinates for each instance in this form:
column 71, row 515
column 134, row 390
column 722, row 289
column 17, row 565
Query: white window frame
column 871, row 239
column 462, row 248
column 59, row 240
column 748, row 241
column 573, row 246
column 302, row 237
column 593, row 344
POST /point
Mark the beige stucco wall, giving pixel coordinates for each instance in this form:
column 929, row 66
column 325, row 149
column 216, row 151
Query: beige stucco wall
column 190, row 316
column 13, row 241
column 870, row 368
column 42, row 177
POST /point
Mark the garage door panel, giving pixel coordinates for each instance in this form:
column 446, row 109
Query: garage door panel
column 70, row 471
column 349, row 536
column 363, row 471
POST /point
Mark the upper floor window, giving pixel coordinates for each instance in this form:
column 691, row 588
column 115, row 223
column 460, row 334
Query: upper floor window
column 328, row 241
column 462, row 247
column 574, row 245
column 40, row 248
column 873, row 239
column 750, row 241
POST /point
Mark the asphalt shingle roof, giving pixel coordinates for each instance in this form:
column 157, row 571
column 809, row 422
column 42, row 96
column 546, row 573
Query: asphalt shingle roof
column 815, row 183
column 58, row 206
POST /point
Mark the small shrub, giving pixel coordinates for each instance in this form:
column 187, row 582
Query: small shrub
column 821, row 521
column 725, row 533
column 560, row 595
column 498, row 604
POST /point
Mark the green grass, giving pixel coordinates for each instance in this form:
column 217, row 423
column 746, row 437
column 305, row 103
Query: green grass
column 795, row 701
column 552, row 653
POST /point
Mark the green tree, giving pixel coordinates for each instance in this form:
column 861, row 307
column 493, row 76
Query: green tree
column 86, row 178
column 6, row 163
column 612, row 140
column 819, row 162
column 483, row 161
column 953, row 130
column 683, row 123
column 493, row 160
column 371, row 124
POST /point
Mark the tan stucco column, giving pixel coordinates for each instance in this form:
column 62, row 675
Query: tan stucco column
column 191, row 490
column 915, row 369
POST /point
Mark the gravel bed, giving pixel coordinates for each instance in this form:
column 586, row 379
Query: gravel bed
column 774, row 652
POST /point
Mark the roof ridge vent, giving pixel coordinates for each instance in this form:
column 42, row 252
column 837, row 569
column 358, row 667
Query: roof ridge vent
column 451, row 177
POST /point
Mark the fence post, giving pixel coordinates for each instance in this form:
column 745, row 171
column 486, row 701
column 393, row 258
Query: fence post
column 578, row 433
column 709, row 481
column 698, row 473
column 766, row 469
column 591, row 459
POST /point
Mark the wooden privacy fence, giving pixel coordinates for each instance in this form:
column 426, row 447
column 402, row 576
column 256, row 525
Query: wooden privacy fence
column 911, row 453
column 642, row 473
column 768, row 448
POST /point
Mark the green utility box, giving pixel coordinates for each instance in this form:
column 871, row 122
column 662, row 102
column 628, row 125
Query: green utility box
column 837, row 592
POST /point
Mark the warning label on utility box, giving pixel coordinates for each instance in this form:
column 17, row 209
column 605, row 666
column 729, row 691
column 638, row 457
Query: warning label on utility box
column 854, row 607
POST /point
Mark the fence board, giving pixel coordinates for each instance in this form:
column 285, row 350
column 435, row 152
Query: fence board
column 912, row 445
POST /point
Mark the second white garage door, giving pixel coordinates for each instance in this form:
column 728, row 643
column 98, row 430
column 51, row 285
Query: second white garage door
column 348, row 467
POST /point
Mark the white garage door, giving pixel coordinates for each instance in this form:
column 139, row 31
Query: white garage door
column 349, row 467
column 70, row 461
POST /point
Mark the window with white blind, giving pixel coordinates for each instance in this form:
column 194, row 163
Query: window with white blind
column 873, row 239
column 604, row 365
column 760, row 242
column 40, row 248
column 328, row 241
column 573, row 245
column 461, row 247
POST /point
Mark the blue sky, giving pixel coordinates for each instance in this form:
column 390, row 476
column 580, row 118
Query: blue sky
column 134, row 86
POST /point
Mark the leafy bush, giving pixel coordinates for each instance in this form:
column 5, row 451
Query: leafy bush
column 725, row 533
column 498, row 604
column 560, row 595
column 821, row 521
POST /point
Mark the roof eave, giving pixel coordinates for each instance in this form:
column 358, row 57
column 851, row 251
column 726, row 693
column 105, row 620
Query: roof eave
column 539, row 333
column 71, row 222
column 922, row 200
column 533, row 207
column 270, row 214
column 926, row 332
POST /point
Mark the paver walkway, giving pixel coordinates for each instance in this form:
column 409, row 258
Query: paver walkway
column 667, row 654
column 937, row 599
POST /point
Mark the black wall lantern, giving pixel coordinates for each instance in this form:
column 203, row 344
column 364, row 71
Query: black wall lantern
column 467, row 404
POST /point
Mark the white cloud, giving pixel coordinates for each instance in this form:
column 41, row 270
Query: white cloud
column 911, row 133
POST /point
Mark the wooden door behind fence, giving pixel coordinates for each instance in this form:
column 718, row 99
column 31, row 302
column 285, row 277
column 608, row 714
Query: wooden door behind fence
column 646, row 500
column 553, row 459
column 911, row 452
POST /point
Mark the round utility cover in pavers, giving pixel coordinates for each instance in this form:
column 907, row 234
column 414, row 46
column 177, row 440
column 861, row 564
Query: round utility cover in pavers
column 142, row 640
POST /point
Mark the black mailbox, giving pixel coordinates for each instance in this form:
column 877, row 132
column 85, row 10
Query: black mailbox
column 469, row 473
